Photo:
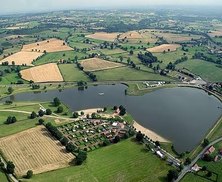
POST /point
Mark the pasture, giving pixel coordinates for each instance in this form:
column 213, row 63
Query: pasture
column 95, row 64
column 23, row 123
column 127, row 74
column 55, row 57
column 3, row 177
column 206, row 70
column 37, row 151
column 50, row 45
column 124, row 161
column 103, row 36
column 164, row 48
column 22, row 58
column 71, row 73
column 44, row 73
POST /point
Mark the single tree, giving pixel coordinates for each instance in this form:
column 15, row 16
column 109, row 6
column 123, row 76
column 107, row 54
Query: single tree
column 75, row 115
column 33, row 115
column 41, row 121
column 81, row 157
column 206, row 142
column 10, row 167
column 116, row 139
column 29, row 174
column 64, row 141
column 172, row 175
column 139, row 136
column 10, row 90
column 41, row 113
column 48, row 112
column 56, row 102
column 59, row 109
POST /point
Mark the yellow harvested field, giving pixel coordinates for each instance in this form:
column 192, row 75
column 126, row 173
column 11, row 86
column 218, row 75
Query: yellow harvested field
column 131, row 35
column 44, row 73
column 50, row 45
column 215, row 33
column 164, row 47
column 95, row 64
column 35, row 149
column 103, row 36
column 22, row 58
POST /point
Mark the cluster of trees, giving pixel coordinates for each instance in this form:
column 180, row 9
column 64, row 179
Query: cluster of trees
column 172, row 175
column 186, row 73
column 70, row 147
column 208, row 157
column 75, row 115
column 54, row 131
column 122, row 110
column 81, row 157
column 170, row 66
column 11, row 69
column 35, row 86
column 10, row 120
column 79, row 66
column 10, row 90
column 56, row 102
column 10, row 167
column 92, row 76
column 147, row 58
column 183, row 59
column 202, row 56
column 139, row 136
column 33, row 115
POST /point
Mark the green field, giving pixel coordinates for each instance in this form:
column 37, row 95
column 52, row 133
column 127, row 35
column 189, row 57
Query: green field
column 125, row 161
column 217, row 132
column 170, row 57
column 214, row 167
column 71, row 73
column 23, row 123
column 206, row 70
column 127, row 74
column 3, row 177
column 190, row 177
column 56, row 56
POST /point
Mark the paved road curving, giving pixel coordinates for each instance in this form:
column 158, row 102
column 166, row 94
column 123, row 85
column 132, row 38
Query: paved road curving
column 188, row 167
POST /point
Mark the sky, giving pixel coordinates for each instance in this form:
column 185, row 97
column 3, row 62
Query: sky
column 22, row 6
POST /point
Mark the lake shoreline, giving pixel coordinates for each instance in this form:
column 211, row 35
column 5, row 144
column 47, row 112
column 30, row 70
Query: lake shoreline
column 149, row 133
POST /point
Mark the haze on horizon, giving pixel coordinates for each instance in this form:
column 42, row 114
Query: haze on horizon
column 22, row 6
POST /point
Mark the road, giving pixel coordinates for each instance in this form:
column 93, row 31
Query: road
column 188, row 167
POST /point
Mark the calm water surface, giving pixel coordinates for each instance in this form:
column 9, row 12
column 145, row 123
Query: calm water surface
column 182, row 115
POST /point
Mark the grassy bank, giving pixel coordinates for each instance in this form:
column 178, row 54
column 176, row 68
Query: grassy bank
column 3, row 177
column 125, row 161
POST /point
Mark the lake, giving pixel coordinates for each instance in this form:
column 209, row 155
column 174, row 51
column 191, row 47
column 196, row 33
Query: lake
column 183, row 115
